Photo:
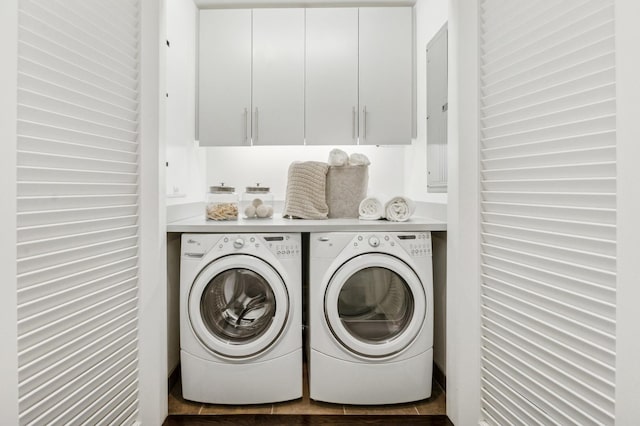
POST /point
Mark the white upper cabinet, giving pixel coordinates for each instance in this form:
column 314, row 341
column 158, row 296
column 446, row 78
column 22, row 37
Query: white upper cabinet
column 331, row 85
column 385, row 54
column 278, row 76
column 225, row 77
column 332, row 76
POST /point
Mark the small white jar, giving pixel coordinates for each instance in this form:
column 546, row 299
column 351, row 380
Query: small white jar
column 257, row 202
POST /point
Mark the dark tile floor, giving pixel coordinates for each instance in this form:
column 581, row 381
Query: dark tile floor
column 306, row 420
column 436, row 404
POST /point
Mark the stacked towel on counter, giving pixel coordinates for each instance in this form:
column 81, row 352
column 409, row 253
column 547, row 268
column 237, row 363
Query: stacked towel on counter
column 357, row 159
column 399, row 209
column 338, row 157
column 371, row 208
column 306, row 191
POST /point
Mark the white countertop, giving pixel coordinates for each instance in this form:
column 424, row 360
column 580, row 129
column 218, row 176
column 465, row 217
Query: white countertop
column 279, row 224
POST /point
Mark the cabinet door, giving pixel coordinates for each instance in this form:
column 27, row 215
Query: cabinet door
column 225, row 77
column 331, row 96
column 385, row 75
column 278, row 76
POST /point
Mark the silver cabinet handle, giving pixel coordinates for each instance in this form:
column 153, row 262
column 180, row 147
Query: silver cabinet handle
column 364, row 122
column 353, row 123
column 246, row 119
column 256, row 135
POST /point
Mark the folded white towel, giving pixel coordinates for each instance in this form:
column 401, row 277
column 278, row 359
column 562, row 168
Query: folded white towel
column 357, row 159
column 399, row 209
column 338, row 157
column 371, row 208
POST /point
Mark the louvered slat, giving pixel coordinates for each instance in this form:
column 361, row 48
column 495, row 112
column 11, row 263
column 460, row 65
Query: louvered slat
column 77, row 211
column 110, row 398
column 37, row 355
column 53, row 15
column 500, row 394
column 37, row 147
column 61, row 189
column 45, row 131
column 548, row 211
column 101, row 347
column 73, row 392
column 27, row 97
column 124, row 72
column 38, row 204
column 59, row 82
column 55, row 218
column 59, row 296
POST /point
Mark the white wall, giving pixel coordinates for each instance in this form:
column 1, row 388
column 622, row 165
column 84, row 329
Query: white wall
column 185, row 173
column 245, row 166
column 8, row 295
column 430, row 16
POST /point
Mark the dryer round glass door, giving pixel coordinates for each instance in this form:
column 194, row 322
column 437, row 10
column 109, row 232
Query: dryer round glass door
column 238, row 306
column 375, row 305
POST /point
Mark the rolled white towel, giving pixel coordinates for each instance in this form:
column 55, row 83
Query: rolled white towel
column 371, row 208
column 399, row 209
column 359, row 160
column 338, row 157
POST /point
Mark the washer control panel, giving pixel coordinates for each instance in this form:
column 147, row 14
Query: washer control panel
column 283, row 246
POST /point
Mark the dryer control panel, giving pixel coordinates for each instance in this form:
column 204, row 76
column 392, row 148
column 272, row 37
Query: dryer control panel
column 331, row 244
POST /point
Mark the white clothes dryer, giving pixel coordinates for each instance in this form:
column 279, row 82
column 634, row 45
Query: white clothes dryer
column 240, row 318
column 370, row 317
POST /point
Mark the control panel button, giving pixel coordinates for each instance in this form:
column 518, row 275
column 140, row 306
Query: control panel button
column 238, row 243
column 374, row 241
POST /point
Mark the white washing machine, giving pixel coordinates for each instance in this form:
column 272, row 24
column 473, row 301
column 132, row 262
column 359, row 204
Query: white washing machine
column 370, row 317
column 240, row 318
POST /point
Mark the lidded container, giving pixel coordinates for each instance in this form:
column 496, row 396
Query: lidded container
column 221, row 203
column 257, row 202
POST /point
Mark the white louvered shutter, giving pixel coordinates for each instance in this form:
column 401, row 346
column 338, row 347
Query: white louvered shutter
column 78, row 94
column 548, row 172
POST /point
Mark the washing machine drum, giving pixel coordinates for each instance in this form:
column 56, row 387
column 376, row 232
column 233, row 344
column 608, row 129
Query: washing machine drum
column 375, row 305
column 238, row 306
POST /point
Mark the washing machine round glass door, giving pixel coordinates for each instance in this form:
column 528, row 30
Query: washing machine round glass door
column 238, row 306
column 375, row 305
